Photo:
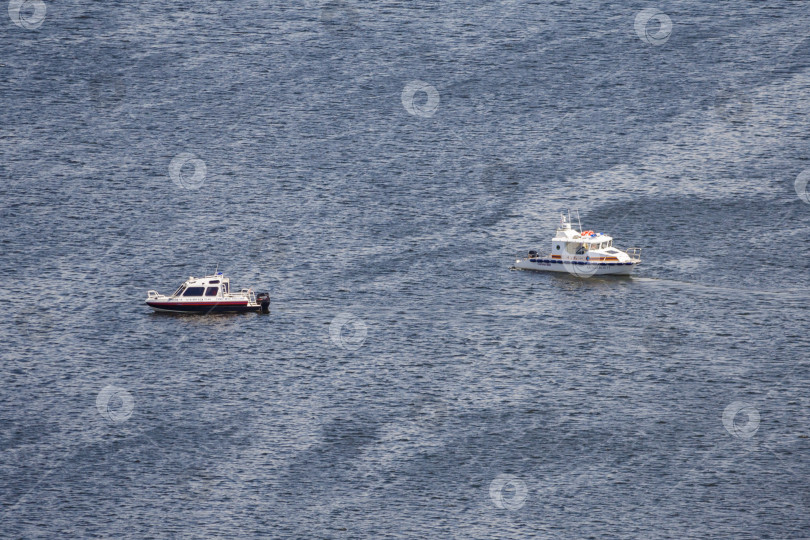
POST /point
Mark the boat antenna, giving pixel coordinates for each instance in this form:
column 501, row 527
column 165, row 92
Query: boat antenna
column 578, row 221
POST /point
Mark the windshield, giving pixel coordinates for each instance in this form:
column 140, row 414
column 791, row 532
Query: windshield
column 179, row 291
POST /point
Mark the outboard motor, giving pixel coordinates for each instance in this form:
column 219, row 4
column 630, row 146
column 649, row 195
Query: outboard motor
column 264, row 300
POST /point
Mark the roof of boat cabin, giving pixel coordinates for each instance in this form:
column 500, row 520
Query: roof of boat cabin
column 579, row 239
column 207, row 279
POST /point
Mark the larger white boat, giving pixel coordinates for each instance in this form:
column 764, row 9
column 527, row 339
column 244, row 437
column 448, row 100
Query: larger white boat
column 209, row 294
column 583, row 253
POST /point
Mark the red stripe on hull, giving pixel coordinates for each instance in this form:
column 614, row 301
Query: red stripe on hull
column 204, row 307
column 193, row 304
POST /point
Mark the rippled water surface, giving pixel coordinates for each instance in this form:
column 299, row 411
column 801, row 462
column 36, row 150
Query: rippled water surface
column 377, row 167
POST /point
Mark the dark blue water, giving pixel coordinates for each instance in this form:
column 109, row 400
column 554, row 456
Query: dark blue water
column 377, row 167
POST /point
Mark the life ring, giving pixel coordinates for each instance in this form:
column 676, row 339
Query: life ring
column 586, row 233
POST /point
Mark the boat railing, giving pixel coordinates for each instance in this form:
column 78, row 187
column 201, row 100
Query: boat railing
column 152, row 294
column 634, row 253
column 251, row 296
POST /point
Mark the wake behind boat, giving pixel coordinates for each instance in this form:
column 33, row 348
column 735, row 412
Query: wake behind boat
column 209, row 294
column 584, row 253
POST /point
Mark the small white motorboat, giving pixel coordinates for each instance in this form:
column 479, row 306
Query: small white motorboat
column 209, row 294
column 584, row 253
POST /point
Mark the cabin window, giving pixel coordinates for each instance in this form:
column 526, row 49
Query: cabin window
column 213, row 281
column 225, row 288
column 194, row 291
column 211, row 291
column 558, row 247
column 179, row 291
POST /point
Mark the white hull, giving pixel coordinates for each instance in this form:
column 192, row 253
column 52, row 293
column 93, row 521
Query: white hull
column 576, row 268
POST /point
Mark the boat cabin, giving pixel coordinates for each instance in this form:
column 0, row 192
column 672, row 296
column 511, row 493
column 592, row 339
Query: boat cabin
column 210, row 286
column 568, row 243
